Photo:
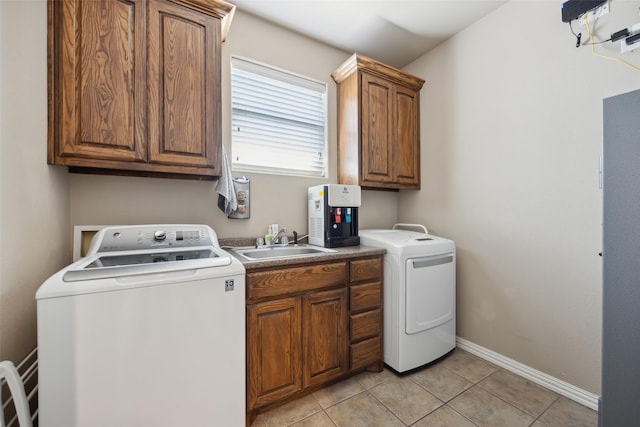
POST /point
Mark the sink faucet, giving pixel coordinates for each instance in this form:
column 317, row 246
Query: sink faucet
column 276, row 238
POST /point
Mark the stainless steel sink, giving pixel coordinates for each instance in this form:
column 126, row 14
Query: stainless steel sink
column 273, row 252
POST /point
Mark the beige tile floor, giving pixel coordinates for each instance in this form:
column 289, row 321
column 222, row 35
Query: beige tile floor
column 461, row 390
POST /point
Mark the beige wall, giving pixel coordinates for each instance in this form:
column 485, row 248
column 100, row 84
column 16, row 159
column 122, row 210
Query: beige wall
column 511, row 137
column 34, row 202
column 274, row 199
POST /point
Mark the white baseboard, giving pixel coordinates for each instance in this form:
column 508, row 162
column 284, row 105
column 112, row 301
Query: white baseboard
column 563, row 388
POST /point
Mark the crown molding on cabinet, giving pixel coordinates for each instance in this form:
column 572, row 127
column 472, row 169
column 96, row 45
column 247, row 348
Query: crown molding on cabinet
column 217, row 8
column 363, row 63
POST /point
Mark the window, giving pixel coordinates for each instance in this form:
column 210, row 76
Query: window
column 278, row 121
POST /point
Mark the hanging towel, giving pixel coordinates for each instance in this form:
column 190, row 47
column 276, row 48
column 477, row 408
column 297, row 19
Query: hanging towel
column 227, row 201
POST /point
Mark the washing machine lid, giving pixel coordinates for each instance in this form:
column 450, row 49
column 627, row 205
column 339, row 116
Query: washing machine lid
column 405, row 242
column 132, row 263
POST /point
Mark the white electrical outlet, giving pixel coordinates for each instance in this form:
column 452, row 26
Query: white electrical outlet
column 594, row 14
column 624, row 47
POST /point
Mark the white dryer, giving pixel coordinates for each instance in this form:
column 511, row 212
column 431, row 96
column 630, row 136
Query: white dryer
column 419, row 295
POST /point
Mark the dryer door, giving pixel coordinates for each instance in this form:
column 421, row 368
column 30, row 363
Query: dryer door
column 430, row 291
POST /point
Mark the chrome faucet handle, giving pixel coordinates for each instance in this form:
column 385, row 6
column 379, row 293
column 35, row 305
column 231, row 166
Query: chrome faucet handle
column 277, row 237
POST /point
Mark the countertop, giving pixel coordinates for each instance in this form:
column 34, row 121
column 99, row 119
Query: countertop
column 340, row 254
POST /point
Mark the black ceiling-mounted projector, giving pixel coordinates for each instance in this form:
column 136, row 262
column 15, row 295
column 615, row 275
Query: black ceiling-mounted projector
column 573, row 9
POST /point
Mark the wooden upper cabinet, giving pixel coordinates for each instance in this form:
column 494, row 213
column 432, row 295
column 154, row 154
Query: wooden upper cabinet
column 406, row 136
column 98, row 80
column 134, row 86
column 184, row 76
column 378, row 125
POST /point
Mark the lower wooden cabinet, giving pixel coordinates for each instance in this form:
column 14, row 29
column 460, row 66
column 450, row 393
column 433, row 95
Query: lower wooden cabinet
column 273, row 350
column 281, row 331
column 324, row 336
column 310, row 325
column 365, row 308
column 365, row 353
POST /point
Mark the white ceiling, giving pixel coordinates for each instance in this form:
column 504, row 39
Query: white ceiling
column 392, row 31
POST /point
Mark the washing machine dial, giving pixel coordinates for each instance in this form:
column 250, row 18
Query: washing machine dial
column 159, row 235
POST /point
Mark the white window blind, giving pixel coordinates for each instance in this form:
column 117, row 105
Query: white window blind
column 278, row 121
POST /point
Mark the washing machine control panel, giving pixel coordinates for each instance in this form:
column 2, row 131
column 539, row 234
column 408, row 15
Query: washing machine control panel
column 126, row 238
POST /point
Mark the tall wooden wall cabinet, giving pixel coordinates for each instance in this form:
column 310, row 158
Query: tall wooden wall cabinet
column 378, row 125
column 134, row 86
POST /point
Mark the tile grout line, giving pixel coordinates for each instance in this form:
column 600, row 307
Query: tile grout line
column 384, row 406
column 477, row 384
column 557, row 396
column 546, row 409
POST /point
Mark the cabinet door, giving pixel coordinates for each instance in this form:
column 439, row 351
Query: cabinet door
column 406, row 138
column 184, row 96
column 376, row 155
column 97, row 91
column 273, row 345
column 325, row 336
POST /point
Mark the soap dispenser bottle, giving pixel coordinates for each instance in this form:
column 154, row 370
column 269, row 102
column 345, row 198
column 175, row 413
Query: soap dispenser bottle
column 272, row 230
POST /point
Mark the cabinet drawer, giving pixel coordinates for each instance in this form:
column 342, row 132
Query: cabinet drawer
column 365, row 325
column 365, row 296
column 365, row 269
column 297, row 279
column 365, row 353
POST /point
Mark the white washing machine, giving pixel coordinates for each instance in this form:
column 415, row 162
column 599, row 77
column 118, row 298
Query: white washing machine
column 419, row 295
column 147, row 330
